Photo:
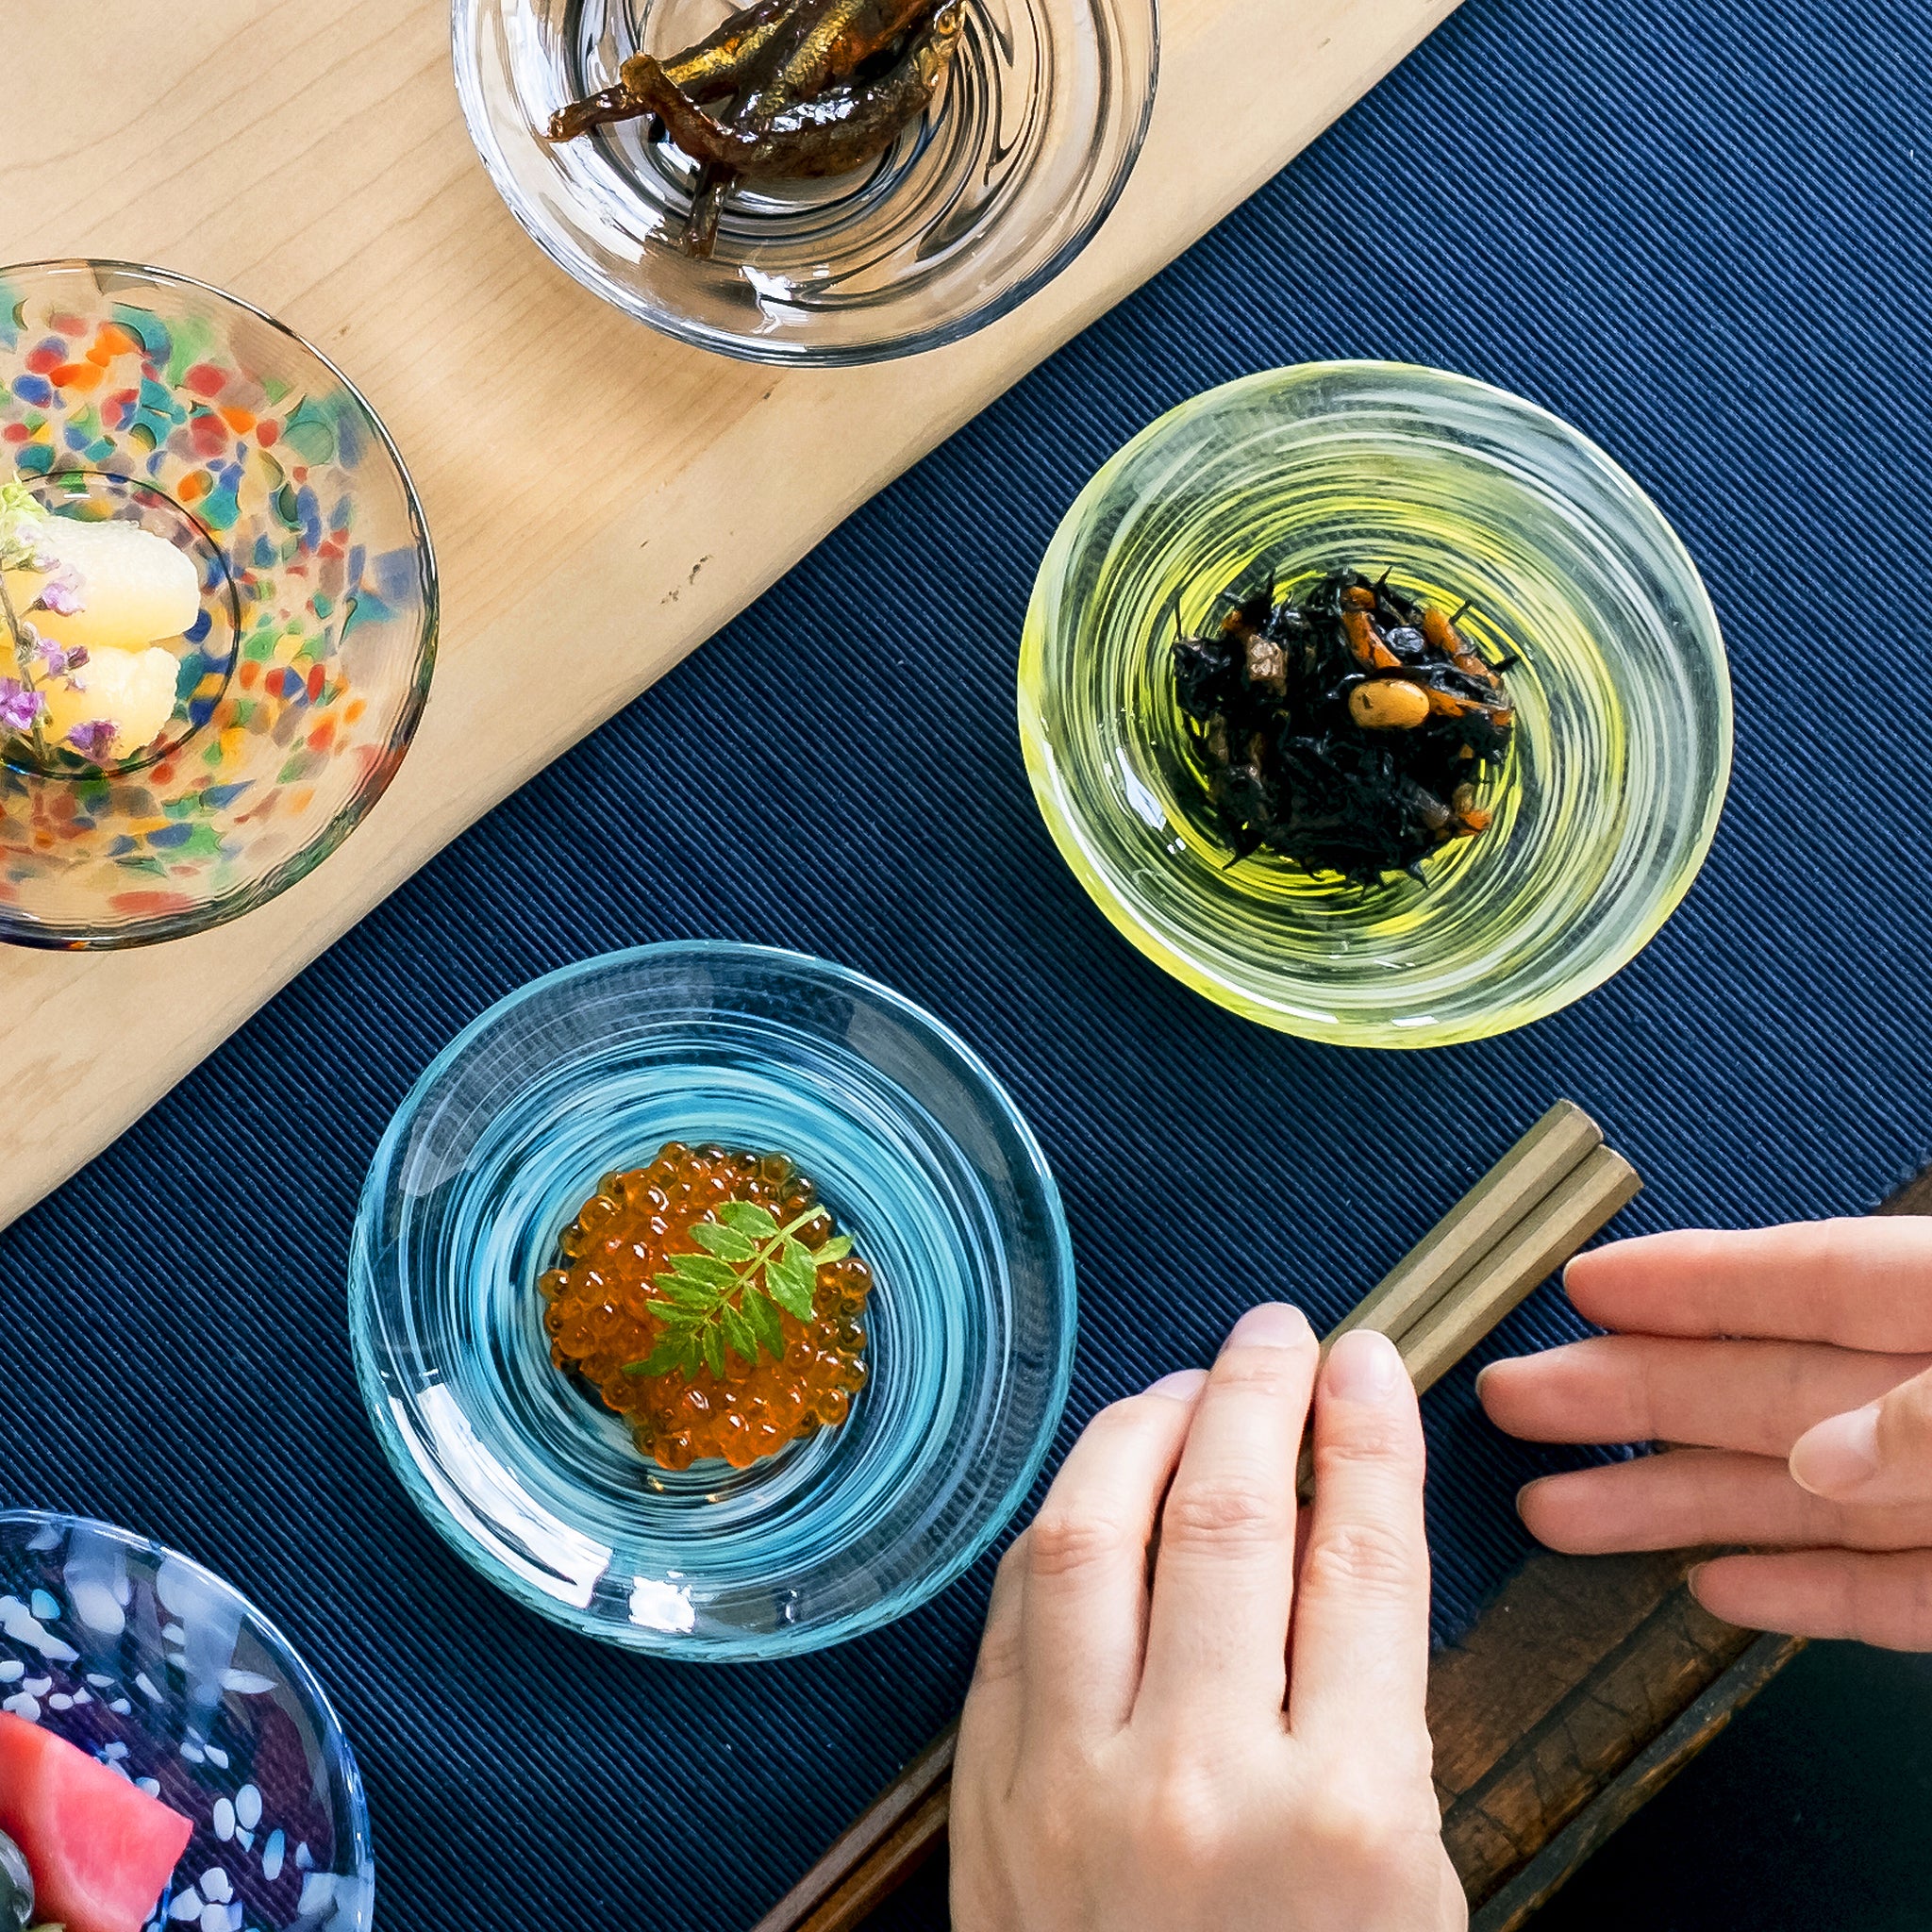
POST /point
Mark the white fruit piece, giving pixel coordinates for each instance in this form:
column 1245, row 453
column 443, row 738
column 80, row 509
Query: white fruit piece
column 135, row 690
column 134, row 588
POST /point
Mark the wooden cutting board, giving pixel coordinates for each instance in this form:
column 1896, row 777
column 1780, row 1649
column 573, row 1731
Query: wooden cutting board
column 312, row 158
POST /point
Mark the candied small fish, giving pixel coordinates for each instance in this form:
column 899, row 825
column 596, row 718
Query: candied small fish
column 838, row 131
column 801, row 88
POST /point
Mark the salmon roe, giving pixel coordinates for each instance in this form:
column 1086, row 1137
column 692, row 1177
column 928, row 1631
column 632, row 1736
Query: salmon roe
column 603, row 1311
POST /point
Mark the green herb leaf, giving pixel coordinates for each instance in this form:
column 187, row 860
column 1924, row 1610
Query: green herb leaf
column 726, row 1242
column 747, row 1217
column 791, row 1279
column 668, row 1354
column 762, row 1314
column 686, row 1294
column 739, row 1337
column 728, row 1297
column 707, row 1270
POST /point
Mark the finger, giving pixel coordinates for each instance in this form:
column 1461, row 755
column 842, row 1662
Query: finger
column 1757, row 1396
column 1085, row 1608
column 1861, row 1284
column 1361, row 1618
column 1880, row 1454
column 1692, row 1497
column 1885, row 1600
column 989, row 1723
column 1217, row 1632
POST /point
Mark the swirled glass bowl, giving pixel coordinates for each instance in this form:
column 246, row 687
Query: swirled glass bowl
column 1462, row 493
column 978, row 202
column 923, row 1160
column 150, row 1663
column 134, row 393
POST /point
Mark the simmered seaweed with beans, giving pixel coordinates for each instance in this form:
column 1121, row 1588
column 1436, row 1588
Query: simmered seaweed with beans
column 1347, row 731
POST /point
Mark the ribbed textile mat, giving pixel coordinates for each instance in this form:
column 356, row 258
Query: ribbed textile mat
column 1700, row 236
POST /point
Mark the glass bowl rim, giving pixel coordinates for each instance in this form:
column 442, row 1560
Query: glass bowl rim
column 890, row 1605
column 237, row 900
column 1065, row 819
column 332, row 1740
column 669, row 322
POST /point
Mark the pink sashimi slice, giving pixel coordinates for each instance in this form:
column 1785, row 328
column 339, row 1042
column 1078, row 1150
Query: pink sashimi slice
column 100, row 1849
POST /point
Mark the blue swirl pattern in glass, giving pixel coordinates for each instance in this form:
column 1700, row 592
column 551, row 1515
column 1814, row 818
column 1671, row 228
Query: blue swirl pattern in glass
column 923, row 1160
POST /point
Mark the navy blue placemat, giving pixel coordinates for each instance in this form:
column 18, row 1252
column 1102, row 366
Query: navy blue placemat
column 1699, row 235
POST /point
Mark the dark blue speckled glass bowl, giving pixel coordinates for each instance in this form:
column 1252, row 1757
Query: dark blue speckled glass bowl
column 157, row 1667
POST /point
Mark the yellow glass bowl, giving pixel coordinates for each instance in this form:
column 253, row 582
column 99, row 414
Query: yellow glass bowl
column 1463, row 493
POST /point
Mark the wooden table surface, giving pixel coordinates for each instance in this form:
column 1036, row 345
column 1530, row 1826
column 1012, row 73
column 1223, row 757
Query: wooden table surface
column 311, row 156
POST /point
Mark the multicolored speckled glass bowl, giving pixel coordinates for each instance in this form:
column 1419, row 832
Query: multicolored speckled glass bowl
column 151, row 1664
column 923, row 1162
column 130, row 392
column 978, row 204
column 1462, row 493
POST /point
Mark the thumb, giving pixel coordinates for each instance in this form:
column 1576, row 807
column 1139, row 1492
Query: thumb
column 1880, row 1454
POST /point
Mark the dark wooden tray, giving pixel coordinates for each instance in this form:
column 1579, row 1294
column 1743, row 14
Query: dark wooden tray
column 1585, row 1688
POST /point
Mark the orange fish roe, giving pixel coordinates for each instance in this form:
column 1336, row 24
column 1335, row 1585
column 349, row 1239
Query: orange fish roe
column 608, row 1313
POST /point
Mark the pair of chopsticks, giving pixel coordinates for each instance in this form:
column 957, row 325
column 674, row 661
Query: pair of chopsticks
column 1555, row 1189
column 1546, row 1197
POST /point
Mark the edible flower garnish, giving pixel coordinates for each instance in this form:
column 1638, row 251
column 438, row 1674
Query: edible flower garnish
column 20, row 705
column 61, row 595
column 95, row 739
column 55, row 662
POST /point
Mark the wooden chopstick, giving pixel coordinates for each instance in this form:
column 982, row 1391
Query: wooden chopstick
column 1538, row 1233
column 1580, row 1206
column 1550, row 1151
column 1555, row 1189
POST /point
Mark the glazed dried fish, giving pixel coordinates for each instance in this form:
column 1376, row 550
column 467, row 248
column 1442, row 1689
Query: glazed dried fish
column 787, row 89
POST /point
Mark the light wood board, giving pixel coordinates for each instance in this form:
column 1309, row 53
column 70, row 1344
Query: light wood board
column 312, row 158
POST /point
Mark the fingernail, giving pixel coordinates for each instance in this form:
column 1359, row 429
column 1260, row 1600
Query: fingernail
column 1184, row 1385
column 1841, row 1453
column 1523, row 1492
column 1482, row 1375
column 1691, row 1577
column 1274, row 1325
column 1363, row 1367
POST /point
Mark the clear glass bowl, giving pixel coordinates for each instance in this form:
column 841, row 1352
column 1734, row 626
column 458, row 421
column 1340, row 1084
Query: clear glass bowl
column 977, row 204
column 1622, row 747
column 131, row 392
column 148, row 1663
column 923, row 1160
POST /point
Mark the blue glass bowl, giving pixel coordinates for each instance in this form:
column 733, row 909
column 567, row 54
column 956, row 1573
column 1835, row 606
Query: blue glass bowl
column 922, row 1160
column 151, row 1663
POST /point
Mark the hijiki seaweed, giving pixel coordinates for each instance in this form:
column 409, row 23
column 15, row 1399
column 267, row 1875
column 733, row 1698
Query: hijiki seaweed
column 1347, row 731
column 785, row 89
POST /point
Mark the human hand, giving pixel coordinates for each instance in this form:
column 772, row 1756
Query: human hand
column 1242, row 1745
column 1794, row 1361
